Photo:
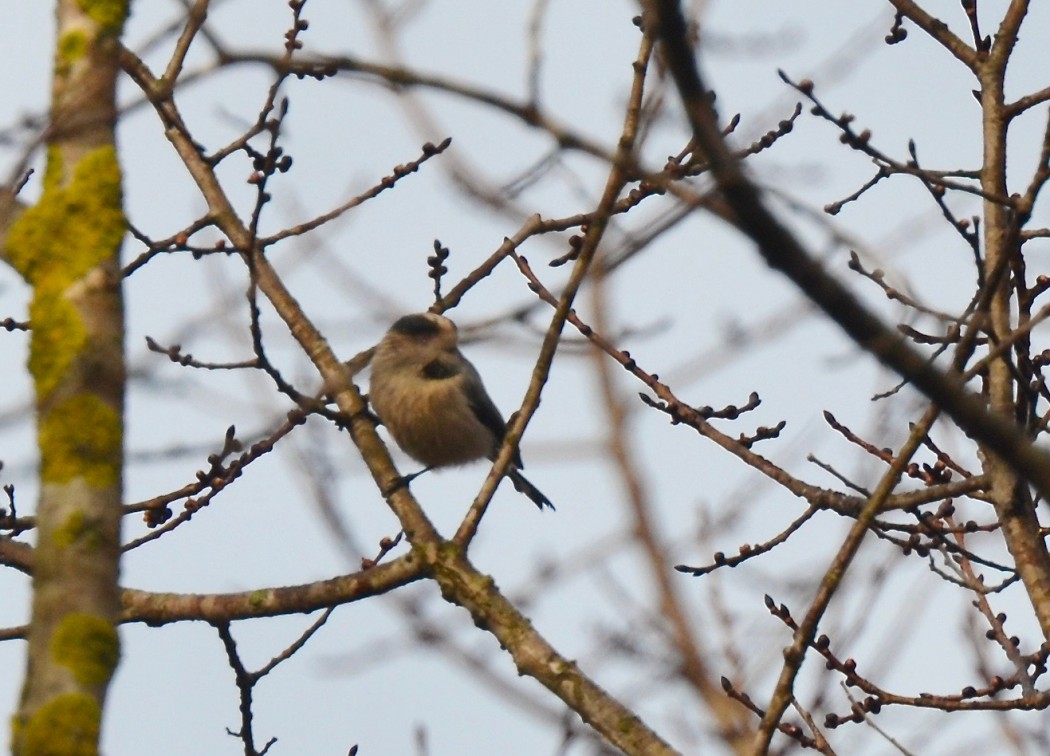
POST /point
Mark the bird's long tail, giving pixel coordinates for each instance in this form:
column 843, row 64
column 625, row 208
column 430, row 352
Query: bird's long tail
column 522, row 484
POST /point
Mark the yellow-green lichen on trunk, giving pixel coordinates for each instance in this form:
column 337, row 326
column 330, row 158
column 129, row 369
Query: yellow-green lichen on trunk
column 79, row 529
column 77, row 225
column 73, row 530
column 55, row 169
column 58, row 337
column 72, row 47
column 69, row 725
column 81, row 437
column 88, row 645
column 66, row 247
column 109, row 14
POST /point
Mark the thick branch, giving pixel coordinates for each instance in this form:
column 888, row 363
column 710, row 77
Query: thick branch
column 162, row 608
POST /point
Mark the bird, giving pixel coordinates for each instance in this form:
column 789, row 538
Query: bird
column 433, row 402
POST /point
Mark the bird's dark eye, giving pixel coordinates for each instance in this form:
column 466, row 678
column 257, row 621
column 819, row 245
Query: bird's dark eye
column 437, row 370
column 416, row 326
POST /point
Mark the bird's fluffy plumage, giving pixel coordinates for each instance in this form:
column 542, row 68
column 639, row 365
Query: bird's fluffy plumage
column 433, row 402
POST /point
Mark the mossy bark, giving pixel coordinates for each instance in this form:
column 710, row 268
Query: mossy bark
column 67, row 248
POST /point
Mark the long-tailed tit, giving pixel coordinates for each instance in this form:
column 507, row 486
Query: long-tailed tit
column 433, row 402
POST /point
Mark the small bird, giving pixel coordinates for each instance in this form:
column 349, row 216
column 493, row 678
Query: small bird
column 433, row 402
